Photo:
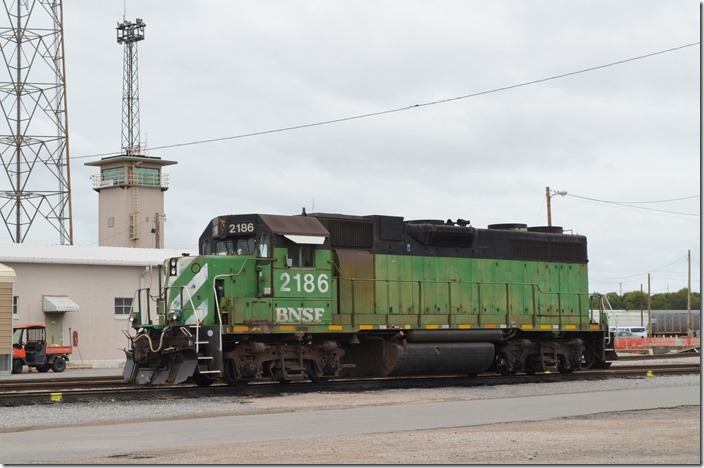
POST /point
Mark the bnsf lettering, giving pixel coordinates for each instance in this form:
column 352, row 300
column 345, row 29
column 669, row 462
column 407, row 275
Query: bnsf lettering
column 299, row 314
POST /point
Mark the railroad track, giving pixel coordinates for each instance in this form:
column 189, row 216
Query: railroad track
column 114, row 388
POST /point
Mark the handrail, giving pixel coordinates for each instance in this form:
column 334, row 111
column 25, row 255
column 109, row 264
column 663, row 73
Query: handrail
column 217, row 306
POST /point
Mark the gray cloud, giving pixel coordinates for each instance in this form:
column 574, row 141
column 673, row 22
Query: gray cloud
column 213, row 69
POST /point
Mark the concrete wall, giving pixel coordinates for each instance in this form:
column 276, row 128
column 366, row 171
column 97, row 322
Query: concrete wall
column 94, row 288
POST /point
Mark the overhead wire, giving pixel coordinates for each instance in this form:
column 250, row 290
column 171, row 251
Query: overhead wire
column 641, row 274
column 405, row 108
column 629, row 204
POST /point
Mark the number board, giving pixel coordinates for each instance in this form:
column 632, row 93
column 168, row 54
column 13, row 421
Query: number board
column 234, row 226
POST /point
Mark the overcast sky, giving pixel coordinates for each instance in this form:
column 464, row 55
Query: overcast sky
column 220, row 68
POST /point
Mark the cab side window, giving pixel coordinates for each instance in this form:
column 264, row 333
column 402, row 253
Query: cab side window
column 301, row 255
column 264, row 246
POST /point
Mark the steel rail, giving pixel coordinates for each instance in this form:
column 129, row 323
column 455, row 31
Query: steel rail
column 115, row 389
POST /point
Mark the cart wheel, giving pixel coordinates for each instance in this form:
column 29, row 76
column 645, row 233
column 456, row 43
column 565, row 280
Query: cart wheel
column 43, row 368
column 59, row 364
column 17, row 366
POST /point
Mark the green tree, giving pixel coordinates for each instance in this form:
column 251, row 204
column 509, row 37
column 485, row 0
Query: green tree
column 634, row 300
column 615, row 300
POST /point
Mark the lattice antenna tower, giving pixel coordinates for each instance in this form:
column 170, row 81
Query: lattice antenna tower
column 36, row 187
column 129, row 34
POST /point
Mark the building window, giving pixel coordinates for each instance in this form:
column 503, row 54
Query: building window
column 111, row 221
column 15, row 305
column 115, row 174
column 123, row 305
column 147, row 176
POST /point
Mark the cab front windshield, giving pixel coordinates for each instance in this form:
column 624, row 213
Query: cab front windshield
column 240, row 246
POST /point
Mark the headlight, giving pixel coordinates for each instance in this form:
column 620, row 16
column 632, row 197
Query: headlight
column 172, row 266
column 174, row 316
column 134, row 319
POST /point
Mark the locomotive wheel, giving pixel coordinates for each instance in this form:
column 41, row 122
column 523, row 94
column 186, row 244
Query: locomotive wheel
column 563, row 367
column 589, row 358
column 313, row 374
column 502, row 366
column 230, row 374
column 59, row 364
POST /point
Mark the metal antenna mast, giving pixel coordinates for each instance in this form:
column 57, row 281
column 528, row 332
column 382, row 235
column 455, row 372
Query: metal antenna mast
column 34, row 131
column 129, row 34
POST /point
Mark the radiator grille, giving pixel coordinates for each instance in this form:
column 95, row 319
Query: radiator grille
column 347, row 233
column 563, row 252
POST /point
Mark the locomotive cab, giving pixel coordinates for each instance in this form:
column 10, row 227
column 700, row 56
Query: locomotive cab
column 261, row 274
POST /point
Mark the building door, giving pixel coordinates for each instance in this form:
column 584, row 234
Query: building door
column 54, row 328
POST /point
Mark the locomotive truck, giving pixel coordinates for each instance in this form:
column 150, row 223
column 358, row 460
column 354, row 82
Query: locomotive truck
column 318, row 296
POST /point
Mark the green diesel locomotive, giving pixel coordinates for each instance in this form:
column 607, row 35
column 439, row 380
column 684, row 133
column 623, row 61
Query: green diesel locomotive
column 318, row 296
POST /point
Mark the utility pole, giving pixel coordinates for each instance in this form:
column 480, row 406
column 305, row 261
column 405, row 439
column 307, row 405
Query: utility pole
column 689, row 294
column 548, row 196
column 641, row 304
column 650, row 325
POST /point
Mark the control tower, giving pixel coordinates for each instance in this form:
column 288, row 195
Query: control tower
column 131, row 186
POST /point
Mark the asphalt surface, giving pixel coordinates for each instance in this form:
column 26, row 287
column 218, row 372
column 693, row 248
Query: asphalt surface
column 102, row 440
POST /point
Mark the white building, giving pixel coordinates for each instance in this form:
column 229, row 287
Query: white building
column 86, row 291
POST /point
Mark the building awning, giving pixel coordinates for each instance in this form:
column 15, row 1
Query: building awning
column 316, row 240
column 59, row 304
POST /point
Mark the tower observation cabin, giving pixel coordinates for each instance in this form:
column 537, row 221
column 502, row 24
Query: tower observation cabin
column 131, row 200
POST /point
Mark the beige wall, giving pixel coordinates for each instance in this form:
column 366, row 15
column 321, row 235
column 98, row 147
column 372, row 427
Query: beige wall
column 116, row 203
column 94, row 288
column 6, row 317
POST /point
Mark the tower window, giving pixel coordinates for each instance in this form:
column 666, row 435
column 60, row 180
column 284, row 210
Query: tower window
column 116, row 174
column 147, row 176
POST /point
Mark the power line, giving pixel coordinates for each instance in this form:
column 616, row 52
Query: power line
column 639, row 274
column 643, row 202
column 401, row 109
column 627, row 204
